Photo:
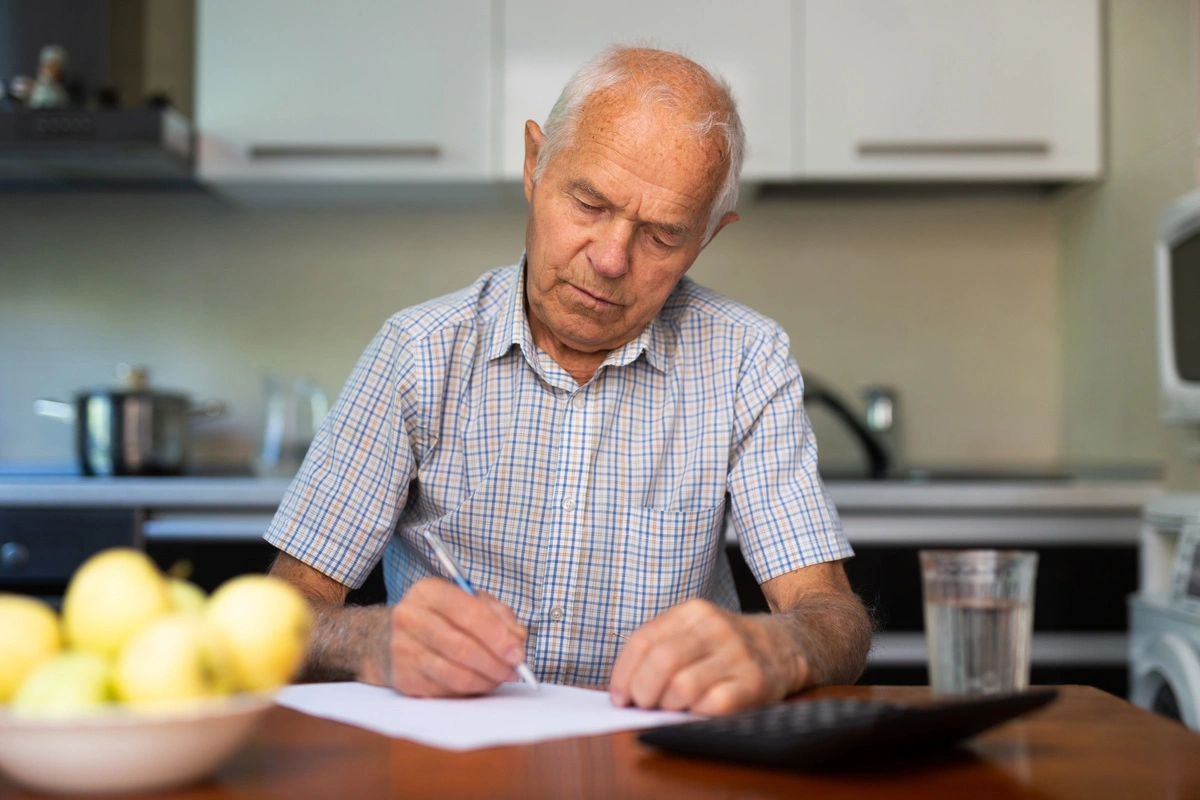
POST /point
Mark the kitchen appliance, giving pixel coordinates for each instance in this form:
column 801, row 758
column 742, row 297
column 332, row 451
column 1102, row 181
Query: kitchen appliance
column 1177, row 301
column 101, row 109
column 1164, row 615
column 295, row 407
column 131, row 429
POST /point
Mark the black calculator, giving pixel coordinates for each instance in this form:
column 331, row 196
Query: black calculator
column 824, row 732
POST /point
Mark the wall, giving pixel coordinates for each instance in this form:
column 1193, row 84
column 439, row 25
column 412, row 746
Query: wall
column 1110, row 383
column 953, row 298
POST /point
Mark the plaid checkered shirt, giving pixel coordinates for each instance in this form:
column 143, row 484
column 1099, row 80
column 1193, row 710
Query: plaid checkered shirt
column 586, row 509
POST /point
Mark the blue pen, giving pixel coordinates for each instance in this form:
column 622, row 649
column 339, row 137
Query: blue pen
column 459, row 577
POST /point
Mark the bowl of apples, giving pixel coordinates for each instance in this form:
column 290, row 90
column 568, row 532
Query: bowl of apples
column 143, row 682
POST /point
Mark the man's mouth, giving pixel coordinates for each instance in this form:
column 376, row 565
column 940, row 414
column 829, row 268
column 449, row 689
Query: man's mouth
column 592, row 299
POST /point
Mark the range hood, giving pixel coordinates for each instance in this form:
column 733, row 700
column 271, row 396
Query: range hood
column 80, row 146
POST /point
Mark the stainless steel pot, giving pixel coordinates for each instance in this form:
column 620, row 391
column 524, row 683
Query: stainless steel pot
column 130, row 430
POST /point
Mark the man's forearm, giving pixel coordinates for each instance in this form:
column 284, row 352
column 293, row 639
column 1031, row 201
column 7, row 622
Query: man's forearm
column 347, row 643
column 831, row 632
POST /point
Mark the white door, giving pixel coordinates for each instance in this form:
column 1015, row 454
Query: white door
column 357, row 90
column 949, row 89
column 748, row 44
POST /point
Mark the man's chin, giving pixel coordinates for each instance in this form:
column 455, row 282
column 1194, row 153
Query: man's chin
column 589, row 331
column 590, row 341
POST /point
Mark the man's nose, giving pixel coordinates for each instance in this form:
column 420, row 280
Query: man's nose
column 609, row 251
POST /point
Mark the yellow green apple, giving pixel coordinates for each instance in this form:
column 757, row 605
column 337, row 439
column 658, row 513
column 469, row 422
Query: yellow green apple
column 173, row 660
column 112, row 596
column 185, row 596
column 263, row 624
column 70, row 684
column 29, row 635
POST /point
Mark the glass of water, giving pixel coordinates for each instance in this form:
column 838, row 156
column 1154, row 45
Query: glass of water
column 978, row 619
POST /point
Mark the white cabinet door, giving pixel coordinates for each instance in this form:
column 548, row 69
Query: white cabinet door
column 949, row 89
column 749, row 45
column 352, row 91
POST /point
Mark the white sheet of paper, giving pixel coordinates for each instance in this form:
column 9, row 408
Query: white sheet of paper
column 514, row 714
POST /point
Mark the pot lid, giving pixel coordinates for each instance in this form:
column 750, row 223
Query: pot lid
column 134, row 379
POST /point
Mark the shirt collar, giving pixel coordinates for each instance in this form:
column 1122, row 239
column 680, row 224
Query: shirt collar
column 513, row 328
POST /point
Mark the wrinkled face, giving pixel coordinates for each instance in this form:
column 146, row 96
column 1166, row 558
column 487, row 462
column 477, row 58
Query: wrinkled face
column 615, row 221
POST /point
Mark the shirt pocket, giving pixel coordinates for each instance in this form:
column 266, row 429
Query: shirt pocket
column 665, row 558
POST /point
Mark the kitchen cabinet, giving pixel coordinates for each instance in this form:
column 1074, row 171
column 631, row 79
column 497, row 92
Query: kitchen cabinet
column 544, row 43
column 358, row 91
column 1085, row 531
column 40, row 548
column 438, row 91
column 942, row 89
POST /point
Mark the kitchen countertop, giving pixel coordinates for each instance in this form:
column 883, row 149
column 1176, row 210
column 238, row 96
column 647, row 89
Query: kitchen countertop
column 165, row 493
column 1118, row 497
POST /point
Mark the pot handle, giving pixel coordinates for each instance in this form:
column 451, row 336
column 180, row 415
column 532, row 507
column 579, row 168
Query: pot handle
column 209, row 409
column 56, row 409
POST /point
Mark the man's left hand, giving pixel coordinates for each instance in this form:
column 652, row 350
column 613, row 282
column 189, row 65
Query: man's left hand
column 699, row 657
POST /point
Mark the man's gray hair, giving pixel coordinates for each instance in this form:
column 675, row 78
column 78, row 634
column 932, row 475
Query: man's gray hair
column 619, row 64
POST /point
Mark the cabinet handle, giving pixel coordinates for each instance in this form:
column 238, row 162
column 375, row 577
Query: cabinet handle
column 263, row 152
column 1031, row 147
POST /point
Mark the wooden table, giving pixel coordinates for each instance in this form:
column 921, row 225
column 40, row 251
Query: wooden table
column 1087, row 744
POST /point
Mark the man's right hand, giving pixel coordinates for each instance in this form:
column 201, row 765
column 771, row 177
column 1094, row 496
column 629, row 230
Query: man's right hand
column 438, row 641
column 443, row 642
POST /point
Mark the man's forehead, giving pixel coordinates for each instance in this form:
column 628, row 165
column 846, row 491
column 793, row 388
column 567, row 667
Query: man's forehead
column 657, row 148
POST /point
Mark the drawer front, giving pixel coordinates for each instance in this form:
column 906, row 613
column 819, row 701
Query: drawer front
column 45, row 546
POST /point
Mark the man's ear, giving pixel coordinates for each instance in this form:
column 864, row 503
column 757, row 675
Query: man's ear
column 725, row 220
column 534, row 138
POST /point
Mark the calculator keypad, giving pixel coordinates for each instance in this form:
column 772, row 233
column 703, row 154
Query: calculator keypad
column 807, row 732
column 789, row 720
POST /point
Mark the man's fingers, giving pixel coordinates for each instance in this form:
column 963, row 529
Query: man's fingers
column 450, row 679
column 479, row 617
column 506, row 615
column 696, row 657
column 482, row 620
column 632, row 669
column 689, row 684
column 447, row 642
column 627, row 663
column 442, row 636
column 726, row 697
column 660, row 665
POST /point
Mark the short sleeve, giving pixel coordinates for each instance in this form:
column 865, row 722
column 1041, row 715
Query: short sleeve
column 339, row 512
column 780, row 510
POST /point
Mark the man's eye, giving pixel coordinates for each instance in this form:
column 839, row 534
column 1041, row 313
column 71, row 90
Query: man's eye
column 585, row 206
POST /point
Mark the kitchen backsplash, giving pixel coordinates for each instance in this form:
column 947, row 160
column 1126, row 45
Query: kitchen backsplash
column 953, row 299
column 1018, row 328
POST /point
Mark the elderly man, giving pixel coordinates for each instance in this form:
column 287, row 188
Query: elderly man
column 576, row 428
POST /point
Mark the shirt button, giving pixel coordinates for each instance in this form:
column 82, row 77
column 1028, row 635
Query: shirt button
column 556, row 613
column 568, row 504
column 579, row 401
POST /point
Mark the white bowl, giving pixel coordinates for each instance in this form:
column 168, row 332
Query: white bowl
column 126, row 751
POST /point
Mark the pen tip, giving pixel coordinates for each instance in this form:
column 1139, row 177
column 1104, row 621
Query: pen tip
column 527, row 675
